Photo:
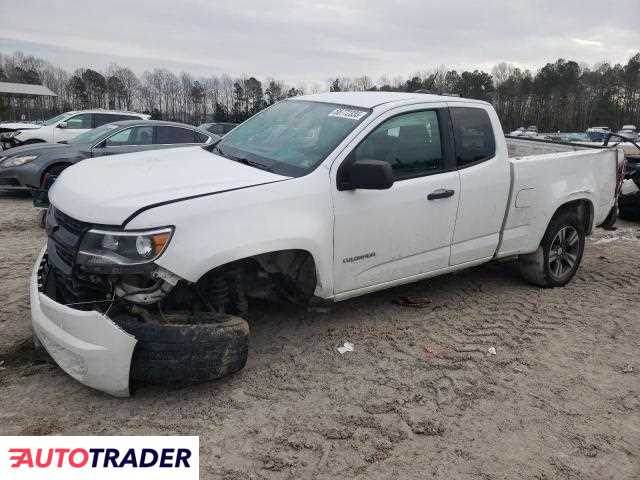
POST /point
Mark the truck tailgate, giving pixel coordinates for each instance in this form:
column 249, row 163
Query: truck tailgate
column 540, row 184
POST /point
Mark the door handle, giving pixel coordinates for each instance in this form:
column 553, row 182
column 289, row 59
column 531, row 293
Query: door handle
column 440, row 193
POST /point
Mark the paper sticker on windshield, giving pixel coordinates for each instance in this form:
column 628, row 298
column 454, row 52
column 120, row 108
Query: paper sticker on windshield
column 347, row 113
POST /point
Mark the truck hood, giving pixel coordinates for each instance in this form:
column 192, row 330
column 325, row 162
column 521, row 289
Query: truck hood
column 107, row 190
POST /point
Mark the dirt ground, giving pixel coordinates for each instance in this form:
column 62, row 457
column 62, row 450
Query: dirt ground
column 419, row 397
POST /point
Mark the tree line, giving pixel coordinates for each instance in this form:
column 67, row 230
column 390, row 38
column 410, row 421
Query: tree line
column 564, row 95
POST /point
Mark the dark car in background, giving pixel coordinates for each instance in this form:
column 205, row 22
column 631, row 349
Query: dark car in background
column 34, row 166
column 218, row 128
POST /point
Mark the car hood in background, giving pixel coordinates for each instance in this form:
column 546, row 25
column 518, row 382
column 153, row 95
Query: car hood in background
column 108, row 190
column 33, row 149
column 19, row 126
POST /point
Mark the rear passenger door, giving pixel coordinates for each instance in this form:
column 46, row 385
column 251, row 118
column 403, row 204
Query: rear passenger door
column 382, row 236
column 484, row 182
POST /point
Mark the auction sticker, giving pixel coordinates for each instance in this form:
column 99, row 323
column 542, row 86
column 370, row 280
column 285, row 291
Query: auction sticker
column 351, row 114
column 97, row 458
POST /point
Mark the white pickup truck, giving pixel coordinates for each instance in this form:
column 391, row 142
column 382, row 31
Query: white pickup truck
column 152, row 257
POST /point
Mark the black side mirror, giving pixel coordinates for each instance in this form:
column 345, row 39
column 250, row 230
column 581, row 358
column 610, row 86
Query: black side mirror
column 369, row 175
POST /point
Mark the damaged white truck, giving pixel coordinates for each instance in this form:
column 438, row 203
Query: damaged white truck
column 153, row 258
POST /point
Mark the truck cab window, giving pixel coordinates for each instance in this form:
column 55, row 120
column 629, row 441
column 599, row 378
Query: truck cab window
column 474, row 139
column 410, row 143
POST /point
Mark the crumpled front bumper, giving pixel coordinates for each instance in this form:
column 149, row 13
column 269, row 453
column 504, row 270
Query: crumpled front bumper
column 85, row 344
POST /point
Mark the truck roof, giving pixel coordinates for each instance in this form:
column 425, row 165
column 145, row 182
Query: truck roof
column 374, row 99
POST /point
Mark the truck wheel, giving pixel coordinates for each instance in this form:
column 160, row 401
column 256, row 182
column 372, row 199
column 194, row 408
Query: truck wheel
column 211, row 347
column 558, row 257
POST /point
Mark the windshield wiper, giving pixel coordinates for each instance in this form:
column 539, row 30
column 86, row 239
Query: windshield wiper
column 246, row 161
column 243, row 160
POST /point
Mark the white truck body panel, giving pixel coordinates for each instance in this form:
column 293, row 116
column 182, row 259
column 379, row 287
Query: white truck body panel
column 587, row 174
column 360, row 240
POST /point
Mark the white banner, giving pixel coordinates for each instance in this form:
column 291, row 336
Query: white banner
column 97, row 458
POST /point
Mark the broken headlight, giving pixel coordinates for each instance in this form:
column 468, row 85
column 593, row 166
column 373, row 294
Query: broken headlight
column 103, row 249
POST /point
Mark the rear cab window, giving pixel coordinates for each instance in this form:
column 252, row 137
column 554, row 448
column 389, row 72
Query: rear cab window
column 474, row 138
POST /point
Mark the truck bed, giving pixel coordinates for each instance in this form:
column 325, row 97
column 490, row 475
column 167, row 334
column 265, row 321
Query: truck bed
column 545, row 175
column 524, row 147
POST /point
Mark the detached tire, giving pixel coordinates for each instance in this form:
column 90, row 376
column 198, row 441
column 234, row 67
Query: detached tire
column 558, row 257
column 187, row 353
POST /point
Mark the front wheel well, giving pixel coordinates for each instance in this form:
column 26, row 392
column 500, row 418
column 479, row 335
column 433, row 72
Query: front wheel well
column 583, row 209
column 283, row 275
column 294, row 267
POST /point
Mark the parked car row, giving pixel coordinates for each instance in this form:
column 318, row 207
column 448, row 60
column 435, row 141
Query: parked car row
column 34, row 165
column 63, row 127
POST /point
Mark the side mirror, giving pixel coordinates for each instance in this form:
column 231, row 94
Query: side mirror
column 370, row 175
column 62, row 125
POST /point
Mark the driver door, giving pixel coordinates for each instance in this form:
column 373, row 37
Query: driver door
column 382, row 237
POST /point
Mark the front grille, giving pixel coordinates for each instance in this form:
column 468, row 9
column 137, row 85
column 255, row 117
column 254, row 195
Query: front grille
column 67, row 255
column 65, row 234
column 70, row 224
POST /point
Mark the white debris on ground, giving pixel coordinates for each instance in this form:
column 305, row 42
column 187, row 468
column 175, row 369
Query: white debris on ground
column 347, row 347
column 606, row 240
column 621, row 233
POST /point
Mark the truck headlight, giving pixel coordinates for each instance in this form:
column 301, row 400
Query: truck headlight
column 17, row 161
column 106, row 248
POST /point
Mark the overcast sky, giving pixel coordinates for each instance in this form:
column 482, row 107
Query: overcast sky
column 314, row 40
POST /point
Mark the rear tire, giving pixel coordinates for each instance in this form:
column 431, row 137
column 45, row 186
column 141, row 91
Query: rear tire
column 211, row 347
column 558, row 257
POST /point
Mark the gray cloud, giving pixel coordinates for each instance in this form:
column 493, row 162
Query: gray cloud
column 313, row 41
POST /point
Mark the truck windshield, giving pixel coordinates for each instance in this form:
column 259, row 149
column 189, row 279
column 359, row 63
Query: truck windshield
column 292, row 137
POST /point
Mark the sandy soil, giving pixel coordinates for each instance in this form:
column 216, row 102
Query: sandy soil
column 419, row 397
